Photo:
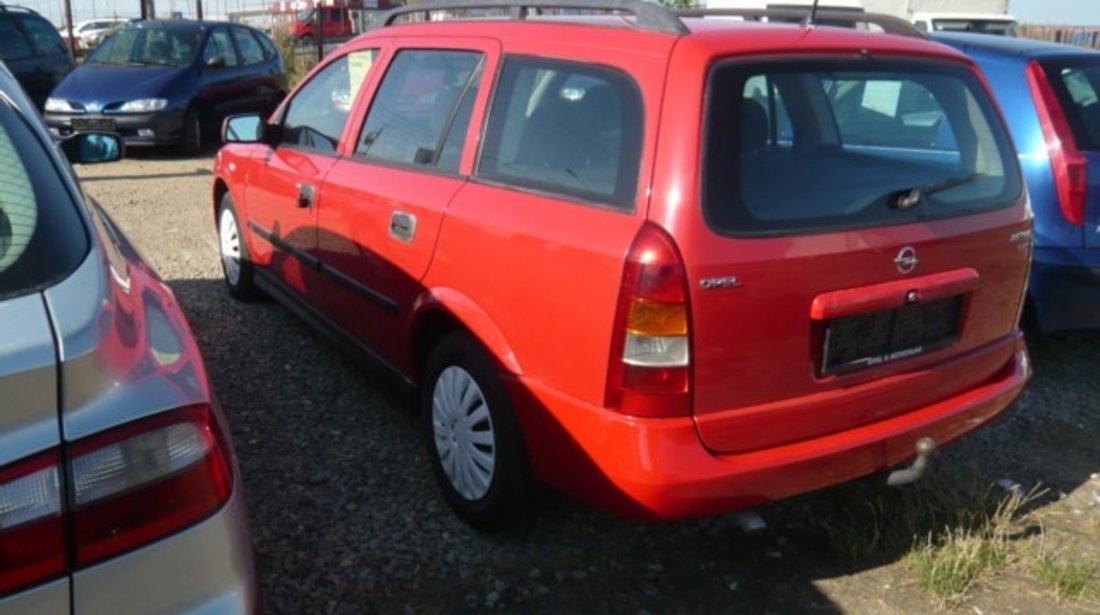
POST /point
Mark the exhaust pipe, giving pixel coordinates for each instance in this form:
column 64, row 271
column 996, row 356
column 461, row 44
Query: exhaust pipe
column 925, row 448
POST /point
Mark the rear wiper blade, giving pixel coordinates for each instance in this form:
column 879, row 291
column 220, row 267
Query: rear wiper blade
column 911, row 197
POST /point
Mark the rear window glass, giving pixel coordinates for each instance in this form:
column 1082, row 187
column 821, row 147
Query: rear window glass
column 567, row 128
column 42, row 238
column 13, row 45
column 1077, row 83
column 807, row 146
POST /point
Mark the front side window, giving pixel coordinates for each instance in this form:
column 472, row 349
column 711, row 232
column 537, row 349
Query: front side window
column 42, row 238
column 567, row 128
column 316, row 115
column 816, row 145
column 13, row 45
column 251, row 52
column 219, row 46
column 417, row 105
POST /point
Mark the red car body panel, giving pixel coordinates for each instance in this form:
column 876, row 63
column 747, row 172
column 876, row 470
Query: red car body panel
column 536, row 278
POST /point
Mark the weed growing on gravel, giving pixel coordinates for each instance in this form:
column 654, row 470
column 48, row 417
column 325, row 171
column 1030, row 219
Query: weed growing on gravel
column 948, row 565
column 1070, row 578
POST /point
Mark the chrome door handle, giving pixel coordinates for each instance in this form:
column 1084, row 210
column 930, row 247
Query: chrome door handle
column 402, row 226
column 305, row 196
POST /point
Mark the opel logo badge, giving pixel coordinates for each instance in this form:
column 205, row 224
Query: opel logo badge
column 907, row 260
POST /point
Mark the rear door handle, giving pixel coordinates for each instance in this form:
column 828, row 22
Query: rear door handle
column 403, row 226
column 305, row 196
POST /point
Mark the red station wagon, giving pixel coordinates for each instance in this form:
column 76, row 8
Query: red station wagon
column 674, row 265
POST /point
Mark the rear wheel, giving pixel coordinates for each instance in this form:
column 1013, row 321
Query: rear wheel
column 476, row 447
column 192, row 132
column 236, row 267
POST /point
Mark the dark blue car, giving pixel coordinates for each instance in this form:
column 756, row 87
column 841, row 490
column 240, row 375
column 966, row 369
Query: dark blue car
column 33, row 51
column 169, row 82
column 1051, row 97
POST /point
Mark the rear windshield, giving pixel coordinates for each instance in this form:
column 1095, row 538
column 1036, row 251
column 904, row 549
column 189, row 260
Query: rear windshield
column 819, row 145
column 42, row 238
column 980, row 26
column 1077, row 83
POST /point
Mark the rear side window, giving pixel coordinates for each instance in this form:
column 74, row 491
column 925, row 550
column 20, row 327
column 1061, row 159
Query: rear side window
column 42, row 238
column 417, row 105
column 812, row 146
column 13, row 45
column 566, row 128
column 44, row 37
column 1077, row 84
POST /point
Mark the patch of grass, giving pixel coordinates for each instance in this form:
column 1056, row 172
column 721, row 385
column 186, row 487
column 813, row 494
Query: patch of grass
column 298, row 61
column 1071, row 579
column 949, row 535
column 949, row 565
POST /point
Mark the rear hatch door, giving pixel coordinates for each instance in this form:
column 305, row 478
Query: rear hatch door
column 866, row 246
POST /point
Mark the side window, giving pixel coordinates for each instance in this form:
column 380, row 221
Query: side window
column 270, row 52
column 13, row 45
column 219, row 45
column 890, row 113
column 316, row 115
column 44, row 37
column 766, row 120
column 417, row 104
column 251, row 52
column 565, row 127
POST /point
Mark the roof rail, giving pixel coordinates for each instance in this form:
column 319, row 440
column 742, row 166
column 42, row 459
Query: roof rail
column 647, row 15
column 7, row 8
column 825, row 17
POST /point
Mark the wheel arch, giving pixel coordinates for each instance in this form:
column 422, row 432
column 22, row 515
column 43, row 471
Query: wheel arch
column 442, row 311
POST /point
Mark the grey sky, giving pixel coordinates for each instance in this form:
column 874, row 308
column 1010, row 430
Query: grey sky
column 1075, row 12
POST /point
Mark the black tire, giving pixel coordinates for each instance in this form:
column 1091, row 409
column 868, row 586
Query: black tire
column 307, row 41
column 243, row 287
column 506, row 499
column 192, row 141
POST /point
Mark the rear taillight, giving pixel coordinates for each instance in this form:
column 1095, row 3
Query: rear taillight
column 146, row 480
column 1069, row 165
column 649, row 374
column 31, row 523
column 128, row 486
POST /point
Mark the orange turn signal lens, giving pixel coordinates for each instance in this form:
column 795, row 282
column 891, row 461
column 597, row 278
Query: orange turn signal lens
column 657, row 319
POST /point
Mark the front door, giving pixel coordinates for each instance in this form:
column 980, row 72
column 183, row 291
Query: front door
column 385, row 200
column 283, row 194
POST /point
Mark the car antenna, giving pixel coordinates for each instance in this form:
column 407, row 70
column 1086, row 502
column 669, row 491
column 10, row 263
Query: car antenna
column 811, row 18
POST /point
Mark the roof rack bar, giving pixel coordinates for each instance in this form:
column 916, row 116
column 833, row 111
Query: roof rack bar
column 824, row 17
column 647, row 15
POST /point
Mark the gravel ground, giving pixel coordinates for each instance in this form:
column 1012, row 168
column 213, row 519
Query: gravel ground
column 346, row 517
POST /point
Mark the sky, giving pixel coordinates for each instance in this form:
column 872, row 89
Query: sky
column 1061, row 12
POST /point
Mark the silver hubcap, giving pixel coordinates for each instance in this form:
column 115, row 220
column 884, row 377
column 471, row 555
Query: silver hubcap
column 463, row 433
column 231, row 247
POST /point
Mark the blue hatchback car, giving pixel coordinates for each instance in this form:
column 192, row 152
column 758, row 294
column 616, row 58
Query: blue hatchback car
column 169, row 82
column 1050, row 95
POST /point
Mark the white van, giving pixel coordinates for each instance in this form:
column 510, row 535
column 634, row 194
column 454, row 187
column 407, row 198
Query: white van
column 979, row 23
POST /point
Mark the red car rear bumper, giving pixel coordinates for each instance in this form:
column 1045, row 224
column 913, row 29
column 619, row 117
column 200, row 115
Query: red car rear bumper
column 659, row 469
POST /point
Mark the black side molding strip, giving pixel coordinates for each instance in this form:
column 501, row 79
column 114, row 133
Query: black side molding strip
column 332, row 331
column 341, row 278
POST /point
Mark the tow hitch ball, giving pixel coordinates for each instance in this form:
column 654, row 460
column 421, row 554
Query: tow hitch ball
column 925, row 448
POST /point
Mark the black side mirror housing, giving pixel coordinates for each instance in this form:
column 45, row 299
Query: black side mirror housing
column 93, row 147
column 215, row 62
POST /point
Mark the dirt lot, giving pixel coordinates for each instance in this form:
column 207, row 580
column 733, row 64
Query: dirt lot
column 346, row 518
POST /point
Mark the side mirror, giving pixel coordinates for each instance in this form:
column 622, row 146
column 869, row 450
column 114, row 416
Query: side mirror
column 214, row 62
column 93, row 147
column 247, row 128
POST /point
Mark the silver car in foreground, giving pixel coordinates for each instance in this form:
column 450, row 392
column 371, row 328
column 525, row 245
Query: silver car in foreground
column 119, row 488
